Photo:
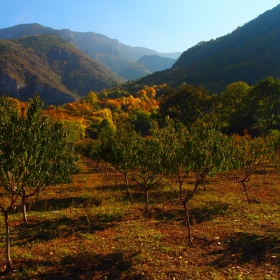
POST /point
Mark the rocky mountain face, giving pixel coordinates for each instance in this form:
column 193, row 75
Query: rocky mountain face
column 49, row 95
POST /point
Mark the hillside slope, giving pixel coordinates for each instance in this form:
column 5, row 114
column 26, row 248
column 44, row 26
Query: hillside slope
column 249, row 53
column 156, row 63
column 53, row 67
column 110, row 52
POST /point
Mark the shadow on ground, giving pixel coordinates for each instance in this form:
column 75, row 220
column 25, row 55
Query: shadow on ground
column 48, row 229
column 245, row 247
column 90, row 266
column 61, row 203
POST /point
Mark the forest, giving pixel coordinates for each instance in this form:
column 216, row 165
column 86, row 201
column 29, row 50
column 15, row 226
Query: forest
column 156, row 157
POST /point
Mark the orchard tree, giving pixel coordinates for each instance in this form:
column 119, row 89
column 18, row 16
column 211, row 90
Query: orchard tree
column 34, row 154
column 247, row 154
column 198, row 153
column 206, row 154
column 119, row 149
column 147, row 165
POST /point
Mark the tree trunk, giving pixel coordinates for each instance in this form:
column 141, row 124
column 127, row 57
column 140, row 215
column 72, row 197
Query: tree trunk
column 8, row 256
column 116, row 179
column 147, row 198
column 245, row 188
column 23, row 201
column 187, row 221
column 126, row 184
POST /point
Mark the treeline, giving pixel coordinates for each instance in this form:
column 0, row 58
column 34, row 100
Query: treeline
column 240, row 107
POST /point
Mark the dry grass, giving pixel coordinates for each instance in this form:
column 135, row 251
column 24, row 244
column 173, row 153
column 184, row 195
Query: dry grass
column 90, row 230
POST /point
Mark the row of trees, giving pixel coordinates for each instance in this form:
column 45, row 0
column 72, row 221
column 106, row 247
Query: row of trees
column 173, row 153
column 239, row 107
column 34, row 154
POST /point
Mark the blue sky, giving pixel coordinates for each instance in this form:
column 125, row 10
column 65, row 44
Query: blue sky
column 161, row 25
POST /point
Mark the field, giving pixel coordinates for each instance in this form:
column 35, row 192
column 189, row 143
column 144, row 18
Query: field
column 89, row 230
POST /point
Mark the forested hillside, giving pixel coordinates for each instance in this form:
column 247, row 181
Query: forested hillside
column 110, row 52
column 156, row 63
column 248, row 54
column 51, row 66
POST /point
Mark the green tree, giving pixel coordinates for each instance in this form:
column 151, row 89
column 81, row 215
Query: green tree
column 34, row 154
column 141, row 121
column 92, row 98
column 247, row 154
column 267, row 96
column 119, row 149
column 9, row 106
column 186, row 104
column 147, row 168
column 235, row 109
column 198, row 153
column 75, row 129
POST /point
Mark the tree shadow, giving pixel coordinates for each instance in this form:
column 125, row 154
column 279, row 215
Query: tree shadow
column 246, row 247
column 61, row 203
column 197, row 215
column 87, row 265
column 48, row 229
column 208, row 212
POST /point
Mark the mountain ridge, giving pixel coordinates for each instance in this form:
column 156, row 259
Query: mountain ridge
column 49, row 64
column 249, row 53
column 110, row 52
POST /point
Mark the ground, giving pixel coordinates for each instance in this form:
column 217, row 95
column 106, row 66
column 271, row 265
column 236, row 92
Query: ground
column 89, row 229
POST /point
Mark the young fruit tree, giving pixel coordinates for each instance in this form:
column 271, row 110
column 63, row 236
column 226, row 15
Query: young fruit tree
column 147, row 169
column 34, row 154
column 248, row 154
column 118, row 149
column 197, row 154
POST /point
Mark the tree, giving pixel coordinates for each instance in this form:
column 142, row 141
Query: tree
column 235, row 108
column 206, row 154
column 147, row 168
column 200, row 152
column 34, row 154
column 185, row 104
column 8, row 106
column 267, row 96
column 92, row 98
column 119, row 149
column 247, row 154
column 75, row 129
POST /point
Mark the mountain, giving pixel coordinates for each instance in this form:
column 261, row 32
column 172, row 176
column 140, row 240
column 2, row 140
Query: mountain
column 54, row 68
column 249, row 53
column 110, row 52
column 135, row 72
column 156, row 63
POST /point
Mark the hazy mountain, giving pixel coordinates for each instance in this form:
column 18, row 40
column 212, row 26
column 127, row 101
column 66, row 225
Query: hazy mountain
column 51, row 66
column 135, row 71
column 156, row 63
column 249, row 53
column 110, row 52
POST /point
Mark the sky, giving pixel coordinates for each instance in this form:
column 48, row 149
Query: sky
column 162, row 25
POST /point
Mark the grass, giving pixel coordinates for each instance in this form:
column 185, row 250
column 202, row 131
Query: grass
column 90, row 230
